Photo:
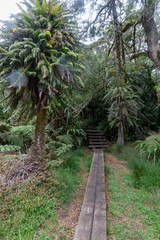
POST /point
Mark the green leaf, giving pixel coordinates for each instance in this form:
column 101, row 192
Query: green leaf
column 56, row 9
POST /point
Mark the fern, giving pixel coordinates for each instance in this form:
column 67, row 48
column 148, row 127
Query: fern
column 25, row 131
column 66, row 138
column 77, row 135
column 150, row 147
column 4, row 127
column 9, row 148
column 63, row 149
column 18, row 136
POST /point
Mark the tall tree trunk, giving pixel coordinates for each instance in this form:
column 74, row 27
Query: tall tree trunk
column 39, row 144
column 117, row 39
column 151, row 31
column 117, row 31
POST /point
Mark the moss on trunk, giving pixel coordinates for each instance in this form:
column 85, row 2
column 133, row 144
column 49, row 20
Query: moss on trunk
column 39, row 145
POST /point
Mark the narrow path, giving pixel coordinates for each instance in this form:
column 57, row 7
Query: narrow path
column 92, row 220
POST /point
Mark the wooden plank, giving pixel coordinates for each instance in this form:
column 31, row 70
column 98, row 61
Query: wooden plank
column 93, row 131
column 97, row 142
column 98, row 146
column 96, row 137
column 95, row 134
column 99, row 221
column 92, row 220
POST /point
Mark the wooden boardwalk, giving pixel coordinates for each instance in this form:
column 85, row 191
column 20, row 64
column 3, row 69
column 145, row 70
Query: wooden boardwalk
column 92, row 220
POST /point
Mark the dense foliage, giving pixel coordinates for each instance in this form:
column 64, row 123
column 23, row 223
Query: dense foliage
column 39, row 61
column 116, row 89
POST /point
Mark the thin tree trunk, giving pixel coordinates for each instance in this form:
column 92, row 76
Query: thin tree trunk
column 117, row 29
column 134, row 40
column 117, row 39
column 120, row 140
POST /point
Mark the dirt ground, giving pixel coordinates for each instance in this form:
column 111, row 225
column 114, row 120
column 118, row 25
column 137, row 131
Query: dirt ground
column 69, row 216
column 113, row 161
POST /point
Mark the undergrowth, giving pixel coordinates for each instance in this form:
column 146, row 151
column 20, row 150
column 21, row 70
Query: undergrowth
column 29, row 210
column 106, row 169
column 133, row 213
column 145, row 173
column 88, row 163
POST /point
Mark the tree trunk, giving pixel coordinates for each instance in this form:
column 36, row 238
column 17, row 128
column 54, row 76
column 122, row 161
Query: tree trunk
column 120, row 140
column 117, row 30
column 117, row 39
column 39, row 145
column 151, row 31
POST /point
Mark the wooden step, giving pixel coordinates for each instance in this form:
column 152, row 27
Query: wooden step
column 97, row 142
column 96, row 138
column 95, row 134
column 93, row 131
column 98, row 146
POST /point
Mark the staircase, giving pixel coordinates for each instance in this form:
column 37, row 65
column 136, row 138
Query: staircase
column 96, row 139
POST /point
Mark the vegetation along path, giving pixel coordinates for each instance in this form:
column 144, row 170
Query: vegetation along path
column 134, row 213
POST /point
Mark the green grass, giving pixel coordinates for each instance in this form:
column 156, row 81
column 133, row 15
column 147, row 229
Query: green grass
column 135, row 212
column 134, row 199
column 29, row 211
column 128, row 152
column 25, row 210
column 145, row 173
column 89, row 163
column 107, row 150
column 106, row 169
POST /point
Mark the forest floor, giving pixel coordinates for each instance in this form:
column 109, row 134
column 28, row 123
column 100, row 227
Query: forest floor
column 47, row 208
column 133, row 213
column 44, row 206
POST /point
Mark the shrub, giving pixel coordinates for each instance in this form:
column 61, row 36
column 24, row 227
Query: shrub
column 107, row 150
column 24, row 132
column 9, row 148
column 4, row 126
column 18, row 136
column 150, row 147
column 77, row 134
column 58, row 146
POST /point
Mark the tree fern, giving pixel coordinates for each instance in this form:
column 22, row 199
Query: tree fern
column 37, row 48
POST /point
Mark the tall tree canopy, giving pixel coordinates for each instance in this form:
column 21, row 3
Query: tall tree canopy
column 120, row 29
column 39, row 60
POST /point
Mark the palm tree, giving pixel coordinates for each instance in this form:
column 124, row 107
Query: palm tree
column 39, row 60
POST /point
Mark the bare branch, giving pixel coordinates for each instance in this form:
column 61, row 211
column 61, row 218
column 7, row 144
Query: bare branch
column 98, row 14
